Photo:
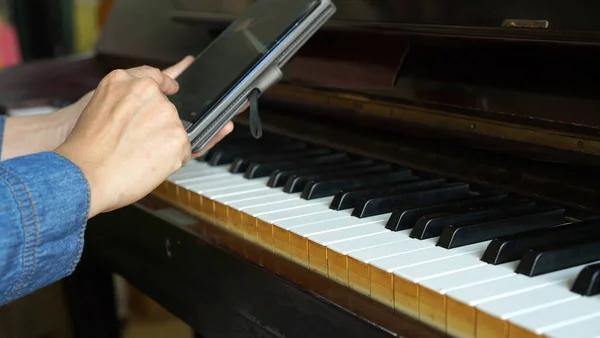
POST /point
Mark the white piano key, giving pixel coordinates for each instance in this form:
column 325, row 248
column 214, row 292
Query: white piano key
column 521, row 303
column 394, row 248
column 218, row 189
column 588, row 328
column 275, row 216
column 431, row 253
column 336, row 225
column 286, row 205
column 362, row 243
column 181, row 177
column 510, row 306
column 219, row 183
column 328, row 238
column 559, row 315
column 189, row 168
column 247, row 195
column 197, row 171
column 275, row 203
column 192, row 166
column 236, row 191
column 303, row 220
column 198, row 174
column 211, row 179
column 498, row 288
column 213, row 190
column 194, row 163
column 469, row 277
column 457, row 264
column 201, row 188
column 278, row 198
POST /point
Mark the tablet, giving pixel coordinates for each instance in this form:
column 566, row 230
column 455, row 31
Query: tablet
column 242, row 62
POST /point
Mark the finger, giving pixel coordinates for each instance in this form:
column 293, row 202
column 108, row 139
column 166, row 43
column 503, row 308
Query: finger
column 166, row 84
column 220, row 136
column 244, row 108
column 187, row 154
column 175, row 70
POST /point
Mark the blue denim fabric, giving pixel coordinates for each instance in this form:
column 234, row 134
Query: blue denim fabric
column 44, row 205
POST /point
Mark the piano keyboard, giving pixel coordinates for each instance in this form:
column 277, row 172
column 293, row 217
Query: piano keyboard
column 469, row 261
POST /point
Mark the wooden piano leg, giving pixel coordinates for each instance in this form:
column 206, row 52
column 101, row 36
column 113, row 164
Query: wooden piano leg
column 90, row 299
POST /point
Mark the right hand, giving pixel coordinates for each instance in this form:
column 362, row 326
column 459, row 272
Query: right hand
column 129, row 138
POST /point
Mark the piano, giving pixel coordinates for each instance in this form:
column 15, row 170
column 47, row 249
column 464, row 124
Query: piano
column 428, row 169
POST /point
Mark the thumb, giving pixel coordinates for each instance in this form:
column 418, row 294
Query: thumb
column 175, row 70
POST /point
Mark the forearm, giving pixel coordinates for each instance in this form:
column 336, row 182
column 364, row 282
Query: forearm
column 32, row 134
column 24, row 135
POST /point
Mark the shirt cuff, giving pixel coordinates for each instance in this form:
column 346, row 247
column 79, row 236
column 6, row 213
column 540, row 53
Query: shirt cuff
column 46, row 221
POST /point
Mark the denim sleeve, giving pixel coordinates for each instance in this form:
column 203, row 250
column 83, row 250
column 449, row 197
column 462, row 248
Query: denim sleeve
column 44, row 206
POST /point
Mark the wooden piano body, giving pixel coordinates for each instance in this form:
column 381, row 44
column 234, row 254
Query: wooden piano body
column 497, row 97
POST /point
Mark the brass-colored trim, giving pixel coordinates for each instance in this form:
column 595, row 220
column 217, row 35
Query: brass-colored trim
column 525, row 23
column 440, row 119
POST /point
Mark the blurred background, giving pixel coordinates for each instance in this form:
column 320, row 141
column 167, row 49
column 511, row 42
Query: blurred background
column 38, row 29
column 41, row 29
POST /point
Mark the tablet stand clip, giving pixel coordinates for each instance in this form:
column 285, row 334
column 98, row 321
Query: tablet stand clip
column 269, row 78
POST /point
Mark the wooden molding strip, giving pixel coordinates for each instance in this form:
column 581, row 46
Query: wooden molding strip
column 439, row 119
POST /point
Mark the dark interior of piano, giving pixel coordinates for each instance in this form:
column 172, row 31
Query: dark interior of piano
column 489, row 109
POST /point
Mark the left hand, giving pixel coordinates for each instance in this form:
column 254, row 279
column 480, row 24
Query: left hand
column 32, row 134
column 69, row 115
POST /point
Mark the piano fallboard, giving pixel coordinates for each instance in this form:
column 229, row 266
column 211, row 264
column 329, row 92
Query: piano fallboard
column 556, row 20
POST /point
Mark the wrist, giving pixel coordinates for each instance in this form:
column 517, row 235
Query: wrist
column 24, row 135
column 91, row 172
column 66, row 118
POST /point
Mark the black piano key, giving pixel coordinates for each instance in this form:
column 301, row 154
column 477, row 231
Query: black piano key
column 296, row 183
column 511, row 248
column 431, row 225
column 246, row 139
column 228, row 153
column 201, row 158
column 328, row 187
column 366, row 207
column 230, row 141
column 457, row 235
column 347, row 199
column 552, row 258
column 406, row 217
column 587, row 282
column 279, row 177
column 264, row 168
column 240, row 164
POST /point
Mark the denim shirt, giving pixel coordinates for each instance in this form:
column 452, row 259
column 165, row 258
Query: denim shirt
column 44, row 206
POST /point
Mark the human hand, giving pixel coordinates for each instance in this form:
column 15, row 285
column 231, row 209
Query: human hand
column 174, row 72
column 26, row 135
column 129, row 138
column 70, row 114
column 67, row 117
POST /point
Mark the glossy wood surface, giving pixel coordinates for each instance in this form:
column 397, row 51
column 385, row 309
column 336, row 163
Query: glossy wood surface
column 223, row 285
column 464, row 17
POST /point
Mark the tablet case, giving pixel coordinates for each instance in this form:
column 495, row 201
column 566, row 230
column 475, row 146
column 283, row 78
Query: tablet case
column 256, row 84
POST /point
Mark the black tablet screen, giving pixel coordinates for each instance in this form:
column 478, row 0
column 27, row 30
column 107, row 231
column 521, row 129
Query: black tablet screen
column 233, row 54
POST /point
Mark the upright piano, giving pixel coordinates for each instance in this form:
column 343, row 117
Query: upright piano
column 428, row 169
